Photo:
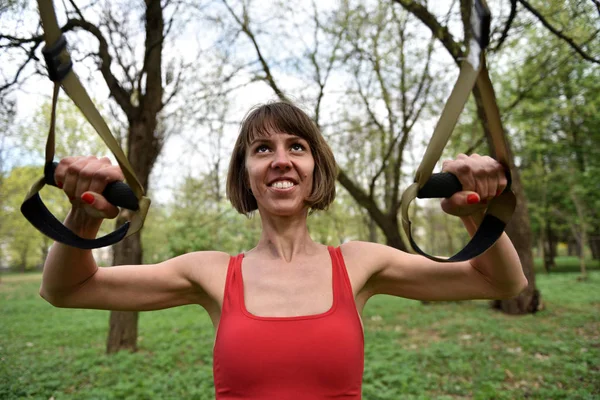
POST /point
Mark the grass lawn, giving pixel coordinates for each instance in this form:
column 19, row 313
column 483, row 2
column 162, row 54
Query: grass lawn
column 413, row 351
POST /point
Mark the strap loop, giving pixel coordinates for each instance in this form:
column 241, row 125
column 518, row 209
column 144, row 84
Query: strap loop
column 473, row 72
column 130, row 196
column 57, row 69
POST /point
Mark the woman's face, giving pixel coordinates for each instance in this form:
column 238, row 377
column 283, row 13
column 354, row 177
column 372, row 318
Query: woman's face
column 280, row 172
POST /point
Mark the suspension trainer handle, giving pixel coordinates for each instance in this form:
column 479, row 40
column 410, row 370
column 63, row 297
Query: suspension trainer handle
column 428, row 185
column 117, row 193
column 130, row 196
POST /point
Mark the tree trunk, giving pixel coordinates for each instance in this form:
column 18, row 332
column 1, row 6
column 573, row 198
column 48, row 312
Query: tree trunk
column 143, row 150
column 372, row 230
column 123, row 325
column 548, row 247
column 123, row 330
column 572, row 248
column 594, row 242
column 144, row 142
column 391, row 231
column 518, row 230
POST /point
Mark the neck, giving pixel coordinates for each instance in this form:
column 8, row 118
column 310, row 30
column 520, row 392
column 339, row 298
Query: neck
column 285, row 237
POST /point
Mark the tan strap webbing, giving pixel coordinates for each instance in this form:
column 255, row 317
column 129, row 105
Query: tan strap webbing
column 75, row 90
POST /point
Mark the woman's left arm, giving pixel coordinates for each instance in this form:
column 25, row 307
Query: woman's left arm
column 495, row 274
column 500, row 264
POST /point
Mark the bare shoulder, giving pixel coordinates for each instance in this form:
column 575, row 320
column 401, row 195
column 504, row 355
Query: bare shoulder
column 207, row 269
column 372, row 257
column 365, row 261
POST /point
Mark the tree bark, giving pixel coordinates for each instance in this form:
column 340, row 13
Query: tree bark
column 143, row 146
column 594, row 243
column 518, row 230
column 123, row 325
column 548, row 247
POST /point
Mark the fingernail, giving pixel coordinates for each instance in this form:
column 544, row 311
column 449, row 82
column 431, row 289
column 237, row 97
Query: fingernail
column 88, row 198
column 59, row 185
column 498, row 193
column 472, row 199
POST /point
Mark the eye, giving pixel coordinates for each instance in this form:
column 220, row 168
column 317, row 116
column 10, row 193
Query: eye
column 261, row 148
column 297, row 147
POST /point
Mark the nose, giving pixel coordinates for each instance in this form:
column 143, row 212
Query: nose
column 281, row 160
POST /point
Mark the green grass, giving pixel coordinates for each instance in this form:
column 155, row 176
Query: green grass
column 413, row 351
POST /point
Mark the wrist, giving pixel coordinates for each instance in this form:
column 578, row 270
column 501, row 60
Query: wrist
column 472, row 221
column 82, row 224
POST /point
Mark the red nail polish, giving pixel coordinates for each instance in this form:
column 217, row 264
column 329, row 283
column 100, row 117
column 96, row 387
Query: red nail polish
column 472, row 199
column 59, row 185
column 498, row 193
column 88, row 198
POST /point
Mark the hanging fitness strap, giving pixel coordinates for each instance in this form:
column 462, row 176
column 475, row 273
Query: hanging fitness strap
column 473, row 72
column 119, row 194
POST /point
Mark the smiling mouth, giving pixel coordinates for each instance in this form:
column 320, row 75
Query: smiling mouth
column 282, row 185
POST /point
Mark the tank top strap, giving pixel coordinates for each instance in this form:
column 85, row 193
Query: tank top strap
column 231, row 295
column 341, row 280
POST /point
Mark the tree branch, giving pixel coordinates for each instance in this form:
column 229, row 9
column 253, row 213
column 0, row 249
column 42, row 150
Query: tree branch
column 440, row 32
column 265, row 67
column 121, row 95
column 362, row 198
column 559, row 34
column 597, row 3
column 509, row 21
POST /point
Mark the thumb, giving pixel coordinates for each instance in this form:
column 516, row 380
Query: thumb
column 462, row 203
column 97, row 206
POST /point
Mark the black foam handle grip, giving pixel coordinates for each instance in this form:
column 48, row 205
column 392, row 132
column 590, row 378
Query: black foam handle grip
column 443, row 184
column 482, row 34
column 117, row 193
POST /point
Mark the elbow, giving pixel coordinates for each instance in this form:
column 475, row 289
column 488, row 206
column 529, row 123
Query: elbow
column 44, row 294
column 514, row 290
column 51, row 298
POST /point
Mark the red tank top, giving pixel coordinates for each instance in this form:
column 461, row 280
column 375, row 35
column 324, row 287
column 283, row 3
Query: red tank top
column 311, row 357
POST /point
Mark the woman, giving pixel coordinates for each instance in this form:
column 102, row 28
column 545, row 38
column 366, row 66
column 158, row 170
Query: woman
column 287, row 312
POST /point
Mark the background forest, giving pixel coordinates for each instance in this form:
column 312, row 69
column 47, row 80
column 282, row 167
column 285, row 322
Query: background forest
column 174, row 78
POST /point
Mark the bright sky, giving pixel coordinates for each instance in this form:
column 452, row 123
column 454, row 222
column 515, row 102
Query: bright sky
column 176, row 158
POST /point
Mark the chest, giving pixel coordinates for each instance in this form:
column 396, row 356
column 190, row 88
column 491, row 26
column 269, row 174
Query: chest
column 275, row 290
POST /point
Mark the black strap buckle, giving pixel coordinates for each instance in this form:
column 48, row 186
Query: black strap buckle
column 57, row 70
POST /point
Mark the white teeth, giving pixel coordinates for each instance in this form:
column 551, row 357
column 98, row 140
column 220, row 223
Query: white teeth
column 282, row 184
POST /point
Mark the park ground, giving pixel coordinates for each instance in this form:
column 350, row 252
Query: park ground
column 457, row 350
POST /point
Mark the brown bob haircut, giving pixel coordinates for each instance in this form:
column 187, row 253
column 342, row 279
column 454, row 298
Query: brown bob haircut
column 280, row 117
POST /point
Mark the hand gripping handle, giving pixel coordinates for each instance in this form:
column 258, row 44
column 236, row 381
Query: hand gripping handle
column 117, row 193
column 36, row 212
column 445, row 184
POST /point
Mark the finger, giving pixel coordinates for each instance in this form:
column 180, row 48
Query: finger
column 502, row 181
column 462, row 170
column 71, row 175
column 92, row 176
column 97, row 206
column 481, row 182
column 104, row 175
column 495, row 178
column 84, row 177
column 463, row 203
column 61, row 170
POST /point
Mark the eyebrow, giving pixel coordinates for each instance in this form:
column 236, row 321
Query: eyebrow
column 269, row 140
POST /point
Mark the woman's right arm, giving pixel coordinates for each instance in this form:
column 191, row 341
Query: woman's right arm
column 71, row 277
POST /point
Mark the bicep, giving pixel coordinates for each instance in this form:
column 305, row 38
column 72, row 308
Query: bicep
column 416, row 277
column 178, row 281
